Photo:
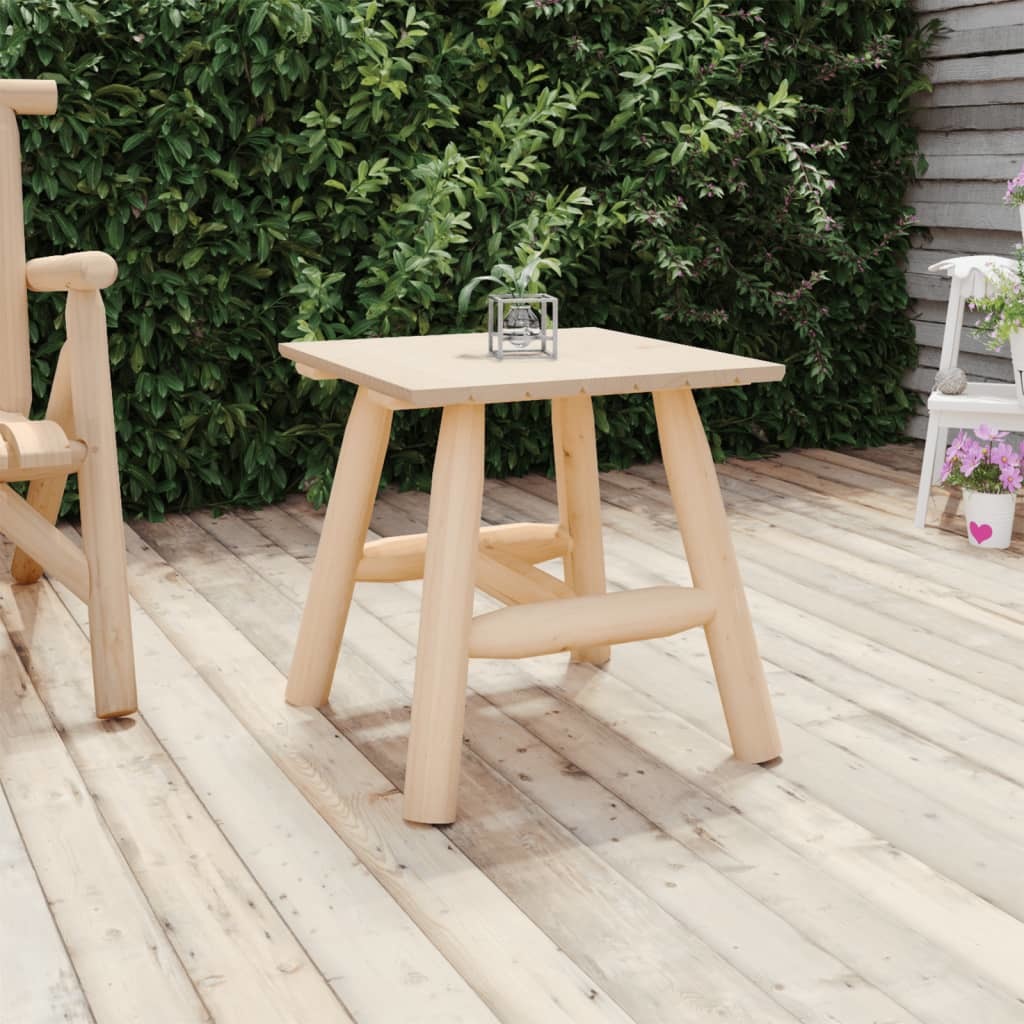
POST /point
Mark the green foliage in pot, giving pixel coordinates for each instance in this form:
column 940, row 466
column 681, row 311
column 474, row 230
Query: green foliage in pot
column 1003, row 306
column 272, row 169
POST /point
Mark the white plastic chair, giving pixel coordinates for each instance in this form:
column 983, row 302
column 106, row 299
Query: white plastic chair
column 992, row 404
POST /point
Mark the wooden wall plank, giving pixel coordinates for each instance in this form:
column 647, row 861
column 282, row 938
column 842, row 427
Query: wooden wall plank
column 1001, row 68
column 962, row 94
column 994, row 167
column 965, row 42
column 968, row 241
column 940, row 8
column 972, row 143
column 961, row 17
column 970, row 119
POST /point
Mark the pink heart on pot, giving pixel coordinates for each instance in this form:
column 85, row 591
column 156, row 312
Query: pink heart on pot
column 980, row 532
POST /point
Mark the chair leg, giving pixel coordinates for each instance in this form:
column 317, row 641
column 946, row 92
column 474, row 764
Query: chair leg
column 700, row 513
column 110, row 628
column 924, row 486
column 341, row 547
column 579, row 503
column 46, row 495
column 442, row 654
column 942, row 443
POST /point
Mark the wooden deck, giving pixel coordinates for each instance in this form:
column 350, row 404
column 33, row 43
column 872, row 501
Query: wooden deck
column 225, row 857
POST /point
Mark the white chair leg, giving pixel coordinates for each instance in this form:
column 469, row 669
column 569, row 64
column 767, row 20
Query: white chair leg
column 924, row 487
column 941, row 443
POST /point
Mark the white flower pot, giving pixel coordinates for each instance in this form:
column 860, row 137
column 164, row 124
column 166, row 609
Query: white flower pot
column 1017, row 356
column 989, row 518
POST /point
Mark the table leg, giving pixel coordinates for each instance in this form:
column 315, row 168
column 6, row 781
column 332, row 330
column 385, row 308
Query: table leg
column 442, row 655
column 709, row 551
column 341, row 547
column 579, row 503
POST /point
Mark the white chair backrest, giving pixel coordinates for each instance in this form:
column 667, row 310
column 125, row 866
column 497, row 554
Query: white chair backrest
column 969, row 276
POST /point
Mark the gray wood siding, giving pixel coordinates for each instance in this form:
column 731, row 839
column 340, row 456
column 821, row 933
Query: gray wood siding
column 972, row 134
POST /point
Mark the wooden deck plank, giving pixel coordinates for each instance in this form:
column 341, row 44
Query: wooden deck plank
column 237, row 950
column 375, row 958
column 779, row 959
column 567, row 891
column 937, row 907
column 464, row 914
column 611, row 859
column 850, row 797
column 128, row 970
column 37, row 982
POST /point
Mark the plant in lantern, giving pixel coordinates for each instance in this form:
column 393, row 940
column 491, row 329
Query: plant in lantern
column 991, row 473
column 520, row 314
column 1003, row 322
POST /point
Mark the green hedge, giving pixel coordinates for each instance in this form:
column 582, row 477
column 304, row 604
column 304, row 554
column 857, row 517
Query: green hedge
column 270, row 169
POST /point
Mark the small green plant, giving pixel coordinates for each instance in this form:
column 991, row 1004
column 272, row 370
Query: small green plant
column 1004, row 307
column 516, row 280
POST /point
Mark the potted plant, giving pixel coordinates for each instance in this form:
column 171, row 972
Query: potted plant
column 520, row 314
column 1003, row 322
column 989, row 470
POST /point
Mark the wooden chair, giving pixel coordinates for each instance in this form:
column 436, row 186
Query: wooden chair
column 990, row 403
column 77, row 435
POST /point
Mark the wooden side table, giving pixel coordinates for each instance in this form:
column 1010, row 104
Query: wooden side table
column 455, row 555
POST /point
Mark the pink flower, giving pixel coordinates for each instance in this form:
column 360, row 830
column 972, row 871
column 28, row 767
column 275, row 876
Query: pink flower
column 1011, row 479
column 947, row 468
column 987, row 433
column 1004, row 455
column 958, row 446
column 970, row 457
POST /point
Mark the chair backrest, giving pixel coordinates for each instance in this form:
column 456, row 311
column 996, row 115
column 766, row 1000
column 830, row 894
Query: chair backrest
column 969, row 276
column 25, row 96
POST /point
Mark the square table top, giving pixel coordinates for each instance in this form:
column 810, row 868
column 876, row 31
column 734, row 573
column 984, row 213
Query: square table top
column 454, row 369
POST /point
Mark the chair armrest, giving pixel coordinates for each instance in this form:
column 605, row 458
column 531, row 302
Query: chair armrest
column 29, row 95
column 77, row 271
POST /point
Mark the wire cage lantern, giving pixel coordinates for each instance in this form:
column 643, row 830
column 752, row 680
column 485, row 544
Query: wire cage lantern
column 522, row 325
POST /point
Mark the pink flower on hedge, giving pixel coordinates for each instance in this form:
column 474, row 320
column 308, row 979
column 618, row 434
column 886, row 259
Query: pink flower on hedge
column 987, row 433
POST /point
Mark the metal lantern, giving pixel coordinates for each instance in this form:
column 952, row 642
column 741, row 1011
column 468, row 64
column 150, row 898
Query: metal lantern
column 522, row 325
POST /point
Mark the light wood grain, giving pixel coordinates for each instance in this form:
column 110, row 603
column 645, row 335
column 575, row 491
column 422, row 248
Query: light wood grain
column 602, row 821
column 515, row 700
column 442, row 654
column 352, row 493
column 391, row 559
column 220, row 922
column 36, row 537
column 549, row 627
column 472, row 923
column 709, row 551
column 574, row 442
column 495, row 828
column 99, row 489
column 29, row 95
column 46, row 494
column 37, row 981
column 15, row 365
column 128, row 969
column 452, row 369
